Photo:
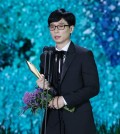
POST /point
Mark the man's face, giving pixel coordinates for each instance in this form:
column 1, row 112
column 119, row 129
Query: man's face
column 60, row 34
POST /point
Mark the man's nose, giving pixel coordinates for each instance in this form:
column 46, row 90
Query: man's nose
column 56, row 30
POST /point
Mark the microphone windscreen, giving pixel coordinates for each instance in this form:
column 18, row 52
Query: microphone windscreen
column 45, row 49
column 52, row 49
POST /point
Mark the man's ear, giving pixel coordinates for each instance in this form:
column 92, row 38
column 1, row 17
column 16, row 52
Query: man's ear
column 71, row 29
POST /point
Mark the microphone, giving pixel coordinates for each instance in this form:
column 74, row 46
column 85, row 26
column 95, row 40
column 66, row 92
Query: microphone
column 45, row 51
column 50, row 52
column 48, row 49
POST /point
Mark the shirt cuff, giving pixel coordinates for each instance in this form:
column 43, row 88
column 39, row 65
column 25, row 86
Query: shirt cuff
column 64, row 101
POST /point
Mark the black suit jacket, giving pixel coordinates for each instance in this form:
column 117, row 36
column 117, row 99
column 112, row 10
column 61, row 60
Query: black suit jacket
column 79, row 82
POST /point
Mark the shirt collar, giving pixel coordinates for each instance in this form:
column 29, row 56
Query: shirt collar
column 65, row 48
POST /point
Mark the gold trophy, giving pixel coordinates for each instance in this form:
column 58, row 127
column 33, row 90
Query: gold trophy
column 33, row 69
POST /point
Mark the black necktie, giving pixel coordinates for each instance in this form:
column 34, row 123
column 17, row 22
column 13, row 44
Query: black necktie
column 59, row 57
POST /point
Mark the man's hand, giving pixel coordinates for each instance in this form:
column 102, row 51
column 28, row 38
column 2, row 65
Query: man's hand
column 56, row 102
column 42, row 83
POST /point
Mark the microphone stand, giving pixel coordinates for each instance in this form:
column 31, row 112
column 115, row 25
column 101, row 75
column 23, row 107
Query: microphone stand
column 45, row 74
column 49, row 65
column 50, row 54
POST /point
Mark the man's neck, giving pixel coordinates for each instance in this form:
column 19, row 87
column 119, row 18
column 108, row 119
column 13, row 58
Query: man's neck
column 59, row 46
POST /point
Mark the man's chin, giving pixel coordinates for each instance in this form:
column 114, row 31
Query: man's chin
column 58, row 41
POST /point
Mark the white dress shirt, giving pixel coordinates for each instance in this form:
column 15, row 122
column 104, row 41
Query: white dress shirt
column 65, row 48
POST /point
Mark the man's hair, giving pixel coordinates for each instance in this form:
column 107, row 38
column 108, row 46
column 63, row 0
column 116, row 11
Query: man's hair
column 59, row 14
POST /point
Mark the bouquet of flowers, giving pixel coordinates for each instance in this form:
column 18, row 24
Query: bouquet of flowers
column 39, row 98
column 35, row 100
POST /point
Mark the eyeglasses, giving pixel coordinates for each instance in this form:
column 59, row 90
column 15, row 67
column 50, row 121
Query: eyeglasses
column 59, row 27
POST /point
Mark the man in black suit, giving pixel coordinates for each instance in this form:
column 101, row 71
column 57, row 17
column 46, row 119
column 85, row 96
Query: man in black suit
column 73, row 81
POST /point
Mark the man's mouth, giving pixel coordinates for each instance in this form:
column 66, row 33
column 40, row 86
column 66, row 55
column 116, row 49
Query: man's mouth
column 57, row 37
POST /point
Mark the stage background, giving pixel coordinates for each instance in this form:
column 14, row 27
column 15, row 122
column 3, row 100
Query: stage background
column 24, row 32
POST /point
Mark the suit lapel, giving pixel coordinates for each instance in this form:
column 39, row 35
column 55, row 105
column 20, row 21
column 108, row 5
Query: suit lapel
column 69, row 58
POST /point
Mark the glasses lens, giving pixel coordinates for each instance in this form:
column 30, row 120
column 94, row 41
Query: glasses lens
column 61, row 27
column 52, row 28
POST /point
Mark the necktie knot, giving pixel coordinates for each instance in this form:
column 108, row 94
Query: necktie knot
column 60, row 53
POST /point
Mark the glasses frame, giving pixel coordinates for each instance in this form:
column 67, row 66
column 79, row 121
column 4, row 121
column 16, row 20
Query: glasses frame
column 58, row 27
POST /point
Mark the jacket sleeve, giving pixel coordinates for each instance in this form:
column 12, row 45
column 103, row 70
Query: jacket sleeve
column 90, row 82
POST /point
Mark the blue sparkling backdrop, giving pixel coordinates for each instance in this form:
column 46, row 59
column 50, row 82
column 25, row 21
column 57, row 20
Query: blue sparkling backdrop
column 24, row 32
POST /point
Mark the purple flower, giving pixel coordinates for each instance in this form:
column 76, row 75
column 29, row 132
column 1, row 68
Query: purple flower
column 40, row 90
column 35, row 100
column 37, row 93
column 27, row 98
